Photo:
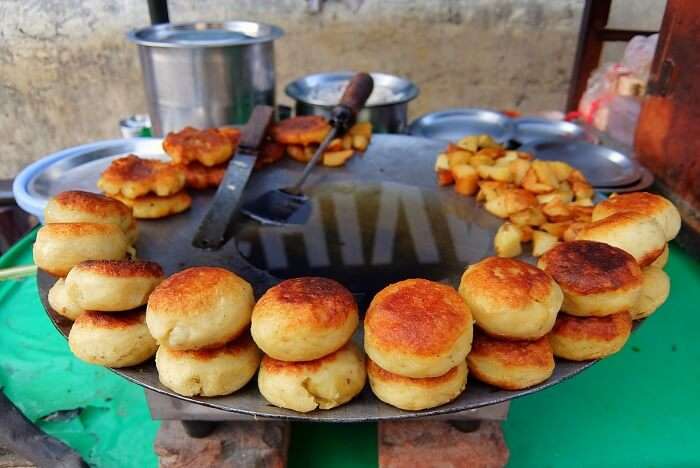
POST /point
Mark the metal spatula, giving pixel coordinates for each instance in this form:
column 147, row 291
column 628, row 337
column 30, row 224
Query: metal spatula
column 213, row 231
column 289, row 205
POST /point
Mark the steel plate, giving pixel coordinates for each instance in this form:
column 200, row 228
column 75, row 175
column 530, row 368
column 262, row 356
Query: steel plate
column 453, row 124
column 529, row 129
column 603, row 167
column 404, row 227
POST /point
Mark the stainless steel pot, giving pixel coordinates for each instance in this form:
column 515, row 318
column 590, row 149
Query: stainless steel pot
column 206, row 74
column 387, row 107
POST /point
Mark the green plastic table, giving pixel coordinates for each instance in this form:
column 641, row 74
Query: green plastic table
column 639, row 408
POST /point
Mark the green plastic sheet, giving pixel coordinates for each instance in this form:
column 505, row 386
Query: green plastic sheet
column 638, row 408
column 91, row 409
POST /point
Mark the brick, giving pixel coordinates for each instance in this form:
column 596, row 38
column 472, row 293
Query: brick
column 437, row 444
column 232, row 444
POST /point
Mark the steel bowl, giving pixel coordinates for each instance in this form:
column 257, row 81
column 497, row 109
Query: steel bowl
column 387, row 107
column 206, row 74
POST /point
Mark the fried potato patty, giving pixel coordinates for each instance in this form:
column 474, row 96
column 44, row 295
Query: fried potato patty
column 132, row 177
column 210, row 146
column 302, row 130
column 152, row 207
column 199, row 176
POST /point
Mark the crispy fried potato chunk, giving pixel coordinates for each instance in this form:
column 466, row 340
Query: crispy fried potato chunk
column 507, row 242
column 542, row 242
column 466, row 179
column 210, row 146
column 556, row 229
column 361, row 129
column 132, row 177
column 336, row 158
column 301, row 130
column 445, row 177
column 298, row 153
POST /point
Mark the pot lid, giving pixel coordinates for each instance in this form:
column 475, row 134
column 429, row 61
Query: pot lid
column 205, row 34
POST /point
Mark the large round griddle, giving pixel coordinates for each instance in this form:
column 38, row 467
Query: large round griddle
column 377, row 220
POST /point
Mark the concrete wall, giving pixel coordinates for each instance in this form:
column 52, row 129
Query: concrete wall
column 67, row 74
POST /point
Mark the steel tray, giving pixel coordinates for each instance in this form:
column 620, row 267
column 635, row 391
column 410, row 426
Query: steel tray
column 405, row 226
column 602, row 166
column 453, row 124
column 528, row 129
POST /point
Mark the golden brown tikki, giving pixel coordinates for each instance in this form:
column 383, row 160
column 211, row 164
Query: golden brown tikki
column 416, row 394
column 152, row 206
column 61, row 246
column 209, row 147
column 302, row 319
column 319, row 384
column 200, row 177
column 113, row 340
column 418, row 328
column 209, row 372
column 61, row 302
column 112, row 285
column 510, row 298
column 635, row 233
column 76, row 206
column 651, row 206
column 301, row 130
column 597, row 279
column 132, row 177
column 510, row 364
column 656, row 286
column 200, row 307
column 584, row 338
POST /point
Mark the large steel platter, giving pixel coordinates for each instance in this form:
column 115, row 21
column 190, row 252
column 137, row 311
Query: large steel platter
column 379, row 219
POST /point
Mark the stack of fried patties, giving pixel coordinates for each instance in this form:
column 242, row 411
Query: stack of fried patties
column 86, row 243
column 612, row 274
column 108, row 297
column 202, row 154
column 200, row 318
column 304, row 326
column 83, row 226
column 515, row 306
column 417, row 336
column 152, row 188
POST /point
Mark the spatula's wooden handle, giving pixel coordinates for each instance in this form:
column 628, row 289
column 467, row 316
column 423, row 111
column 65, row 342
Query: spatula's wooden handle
column 357, row 92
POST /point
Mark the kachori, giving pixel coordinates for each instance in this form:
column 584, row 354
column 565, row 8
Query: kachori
column 307, row 385
column 200, row 307
column 304, row 318
column 61, row 246
column 633, row 232
column 418, row 328
column 209, row 372
column 112, row 285
column 76, row 206
column 510, row 298
column 597, row 279
column 510, row 364
column 583, row 338
column 113, row 340
column 416, row 394
column 647, row 204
